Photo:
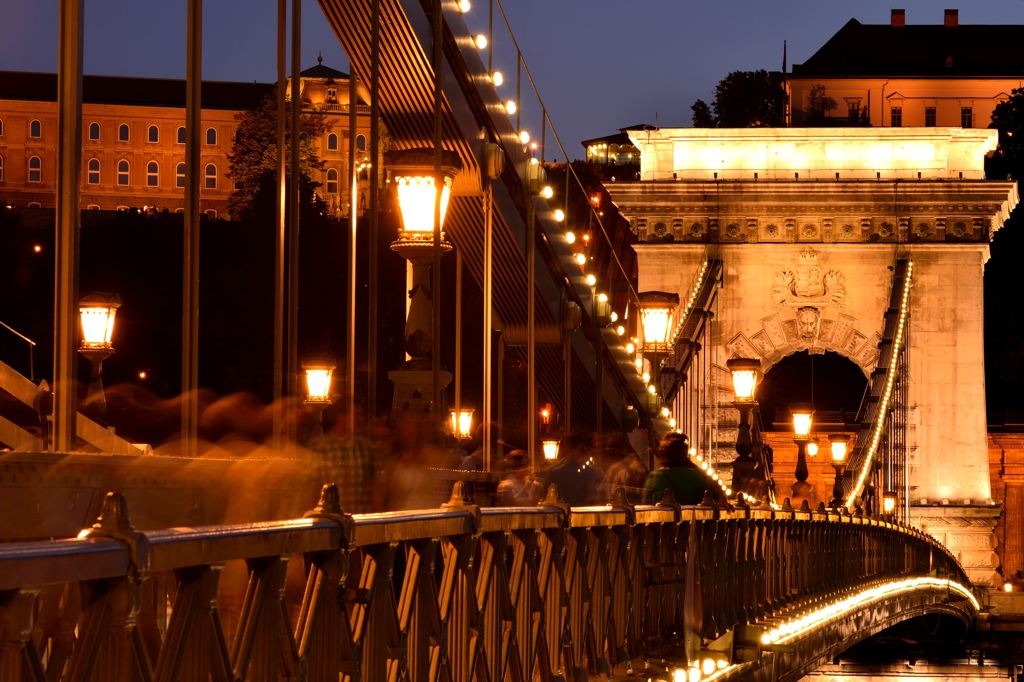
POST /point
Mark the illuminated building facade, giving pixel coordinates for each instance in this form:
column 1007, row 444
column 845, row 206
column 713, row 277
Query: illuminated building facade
column 133, row 139
column 900, row 75
column 615, row 150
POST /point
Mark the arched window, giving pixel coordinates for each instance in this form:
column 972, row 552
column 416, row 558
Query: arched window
column 1, row 169
column 332, row 142
column 211, row 176
column 332, row 181
column 179, row 176
column 94, row 171
column 152, row 174
column 211, row 136
column 1, row 127
column 35, row 129
column 35, row 169
column 361, row 143
column 181, row 134
column 122, row 132
column 34, row 204
column 92, row 207
column 94, row 131
column 210, row 213
column 303, row 136
column 154, row 134
column 122, row 173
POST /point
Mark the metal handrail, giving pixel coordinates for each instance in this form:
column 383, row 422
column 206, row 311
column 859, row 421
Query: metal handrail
column 404, row 588
column 31, row 345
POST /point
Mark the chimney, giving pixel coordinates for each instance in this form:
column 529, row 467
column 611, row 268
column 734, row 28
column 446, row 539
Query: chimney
column 899, row 17
column 951, row 19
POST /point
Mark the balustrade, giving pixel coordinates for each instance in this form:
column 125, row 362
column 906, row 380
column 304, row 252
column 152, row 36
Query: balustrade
column 499, row 593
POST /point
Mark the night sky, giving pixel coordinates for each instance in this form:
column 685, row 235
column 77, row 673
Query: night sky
column 599, row 64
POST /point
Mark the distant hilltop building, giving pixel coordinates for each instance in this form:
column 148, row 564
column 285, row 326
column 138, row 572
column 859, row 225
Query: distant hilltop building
column 900, row 74
column 615, row 150
column 133, row 139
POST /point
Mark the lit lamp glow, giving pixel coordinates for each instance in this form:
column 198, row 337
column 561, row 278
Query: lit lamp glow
column 657, row 309
column 888, row 502
column 812, row 447
column 744, row 378
column 803, row 416
column 550, row 444
column 318, row 392
column 97, row 312
column 462, row 423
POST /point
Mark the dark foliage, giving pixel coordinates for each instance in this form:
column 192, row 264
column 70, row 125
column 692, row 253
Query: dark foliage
column 744, row 99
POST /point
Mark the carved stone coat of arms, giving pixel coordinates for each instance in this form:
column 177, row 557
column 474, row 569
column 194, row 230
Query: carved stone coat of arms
column 808, row 285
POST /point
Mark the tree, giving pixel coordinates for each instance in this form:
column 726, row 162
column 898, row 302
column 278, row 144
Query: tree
column 744, row 99
column 1008, row 119
column 253, row 161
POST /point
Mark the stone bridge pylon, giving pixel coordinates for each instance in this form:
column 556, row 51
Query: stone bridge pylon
column 808, row 225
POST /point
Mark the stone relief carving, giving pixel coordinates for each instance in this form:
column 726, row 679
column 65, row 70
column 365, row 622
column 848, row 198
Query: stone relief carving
column 808, row 320
column 959, row 229
column 807, row 285
column 771, row 231
column 696, row 230
column 847, row 231
column 885, row 229
column 922, row 230
column 810, row 231
column 732, row 231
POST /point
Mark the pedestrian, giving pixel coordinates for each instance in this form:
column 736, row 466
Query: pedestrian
column 678, row 473
column 518, row 488
column 574, row 472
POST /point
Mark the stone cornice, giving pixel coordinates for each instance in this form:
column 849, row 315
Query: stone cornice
column 789, row 211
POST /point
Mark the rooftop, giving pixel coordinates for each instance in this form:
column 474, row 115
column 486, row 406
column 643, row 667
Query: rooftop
column 153, row 92
column 945, row 50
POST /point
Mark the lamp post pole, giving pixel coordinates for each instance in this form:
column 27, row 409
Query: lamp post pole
column 745, row 373
column 839, row 445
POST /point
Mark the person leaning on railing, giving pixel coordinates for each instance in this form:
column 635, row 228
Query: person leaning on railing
column 678, row 473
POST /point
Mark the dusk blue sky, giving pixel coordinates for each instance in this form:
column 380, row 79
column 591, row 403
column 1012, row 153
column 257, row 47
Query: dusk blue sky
column 599, row 64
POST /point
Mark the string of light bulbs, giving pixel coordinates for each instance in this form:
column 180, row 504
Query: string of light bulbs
column 883, row 405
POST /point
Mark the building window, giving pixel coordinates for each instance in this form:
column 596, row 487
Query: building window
column 35, row 129
column 34, row 204
column 35, row 169
column 361, row 143
column 1, row 127
column 211, row 136
column 181, row 134
column 94, row 171
column 154, row 134
column 122, row 132
column 122, row 173
column 1, row 169
column 211, row 176
column 896, row 117
column 210, row 213
column 332, row 93
column 303, row 136
column 94, row 131
column 332, row 143
column 179, row 175
column 152, row 174
column 929, row 117
column 966, row 117
column 332, row 181
column 92, row 207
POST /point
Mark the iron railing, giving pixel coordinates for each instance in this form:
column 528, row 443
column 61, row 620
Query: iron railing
column 495, row 594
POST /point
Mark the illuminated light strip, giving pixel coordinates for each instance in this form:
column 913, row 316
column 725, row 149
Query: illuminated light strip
column 823, row 616
column 690, row 301
column 886, row 394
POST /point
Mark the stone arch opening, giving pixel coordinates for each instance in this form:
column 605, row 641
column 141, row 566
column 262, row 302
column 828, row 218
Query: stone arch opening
column 830, row 381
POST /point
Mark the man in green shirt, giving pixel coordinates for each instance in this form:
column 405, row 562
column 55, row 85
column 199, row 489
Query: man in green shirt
column 678, row 473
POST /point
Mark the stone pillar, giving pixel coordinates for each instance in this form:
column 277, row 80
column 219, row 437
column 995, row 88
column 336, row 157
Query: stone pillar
column 947, row 375
column 967, row 532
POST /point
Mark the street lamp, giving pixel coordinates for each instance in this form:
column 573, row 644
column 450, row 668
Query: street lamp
column 812, row 447
column 413, row 176
column 745, row 373
column 889, row 502
column 462, row 423
column 839, row 443
column 657, row 310
column 97, row 311
column 318, row 392
column 803, row 416
column 550, row 446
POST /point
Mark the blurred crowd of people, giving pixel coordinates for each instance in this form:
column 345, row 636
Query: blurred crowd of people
column 401, row 467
